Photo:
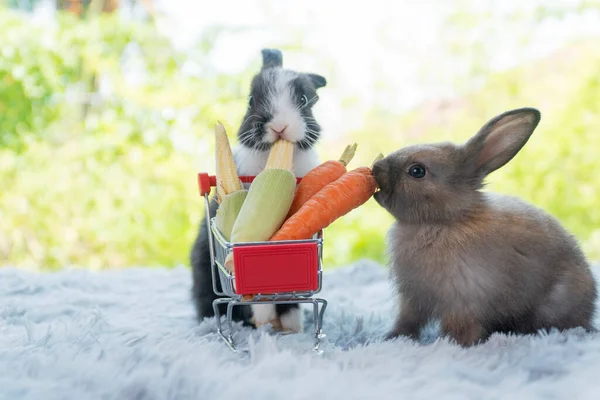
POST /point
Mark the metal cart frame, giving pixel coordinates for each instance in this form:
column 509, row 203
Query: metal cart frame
column 299, row 255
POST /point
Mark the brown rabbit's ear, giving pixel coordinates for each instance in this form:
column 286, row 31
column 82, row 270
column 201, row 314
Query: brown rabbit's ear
column 500, row 139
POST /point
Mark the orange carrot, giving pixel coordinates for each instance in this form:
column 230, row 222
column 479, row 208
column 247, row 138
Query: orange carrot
column 318, row 177
column 335, row 200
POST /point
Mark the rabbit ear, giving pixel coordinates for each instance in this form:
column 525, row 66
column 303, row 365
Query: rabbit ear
column 500, row 139
column 318, row 80
column 272, row 58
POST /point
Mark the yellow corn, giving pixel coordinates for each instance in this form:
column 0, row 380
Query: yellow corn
column 227, row 177
column 281, row 155
column 230, row 192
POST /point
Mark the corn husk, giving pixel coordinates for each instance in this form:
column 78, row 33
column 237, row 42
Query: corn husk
column 268, row 200
column 269, row 197
column 265, row 208
column 228, row 211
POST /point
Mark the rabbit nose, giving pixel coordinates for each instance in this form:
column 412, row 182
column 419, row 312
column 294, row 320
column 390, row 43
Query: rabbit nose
column 278, row 129
column 379, row 172
column 377, row 169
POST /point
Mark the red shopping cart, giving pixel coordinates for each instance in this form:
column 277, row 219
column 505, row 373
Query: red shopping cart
column 279, row 272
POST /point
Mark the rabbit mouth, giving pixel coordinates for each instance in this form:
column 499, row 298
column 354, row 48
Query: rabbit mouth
column 380, row 197
column 384, row 185
column 379, row 193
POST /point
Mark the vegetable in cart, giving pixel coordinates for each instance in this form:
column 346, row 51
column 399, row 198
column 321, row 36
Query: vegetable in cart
column 335, row 200
column 269, row 199
column 320, row 176
column 230, row 192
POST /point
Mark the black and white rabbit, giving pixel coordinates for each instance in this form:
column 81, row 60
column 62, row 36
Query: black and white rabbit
column 478, row 262
column 279, row 105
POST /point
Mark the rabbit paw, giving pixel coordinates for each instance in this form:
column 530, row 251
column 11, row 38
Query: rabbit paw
column 465, row 330
column 409, row 324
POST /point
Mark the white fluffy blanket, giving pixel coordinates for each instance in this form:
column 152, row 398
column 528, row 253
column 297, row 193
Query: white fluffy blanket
column 131, row 334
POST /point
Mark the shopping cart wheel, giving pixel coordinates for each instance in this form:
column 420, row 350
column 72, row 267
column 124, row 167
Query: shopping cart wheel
column 318, row 318
column 227, row 336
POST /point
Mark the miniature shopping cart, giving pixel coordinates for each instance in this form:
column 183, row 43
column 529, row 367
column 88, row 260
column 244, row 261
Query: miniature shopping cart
column 282, row 272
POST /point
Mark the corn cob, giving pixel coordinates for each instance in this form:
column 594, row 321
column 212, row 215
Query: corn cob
column 269, row 199
column 227, row 178
column 230, row 192
column 281, row 156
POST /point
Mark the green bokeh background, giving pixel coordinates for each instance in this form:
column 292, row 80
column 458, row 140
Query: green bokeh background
column 111, row 183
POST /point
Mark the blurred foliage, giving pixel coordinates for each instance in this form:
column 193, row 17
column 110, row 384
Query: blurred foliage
column 556, row 170
column 33, row 72
column 108, row 180
column 104, row 182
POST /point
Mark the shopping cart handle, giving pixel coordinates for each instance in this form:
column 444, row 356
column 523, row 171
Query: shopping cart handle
column 206, row 182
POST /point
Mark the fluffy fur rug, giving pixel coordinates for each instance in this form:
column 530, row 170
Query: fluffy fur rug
column 131, row 334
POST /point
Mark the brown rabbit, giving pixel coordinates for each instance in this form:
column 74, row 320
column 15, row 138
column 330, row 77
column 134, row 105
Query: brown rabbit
column 478, row 262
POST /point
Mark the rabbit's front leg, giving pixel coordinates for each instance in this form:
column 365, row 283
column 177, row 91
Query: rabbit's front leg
column 464, row 329
column 408, row 323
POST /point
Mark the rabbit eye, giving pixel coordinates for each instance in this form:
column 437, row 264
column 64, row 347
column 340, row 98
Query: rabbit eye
column 417, row 171
column 250, row 101
column 304, row 100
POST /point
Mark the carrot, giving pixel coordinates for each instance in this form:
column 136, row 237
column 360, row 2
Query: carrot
column 335, row 200
column 320, row 176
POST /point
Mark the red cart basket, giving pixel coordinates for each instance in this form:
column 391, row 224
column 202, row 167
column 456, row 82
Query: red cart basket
column 279, row 272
